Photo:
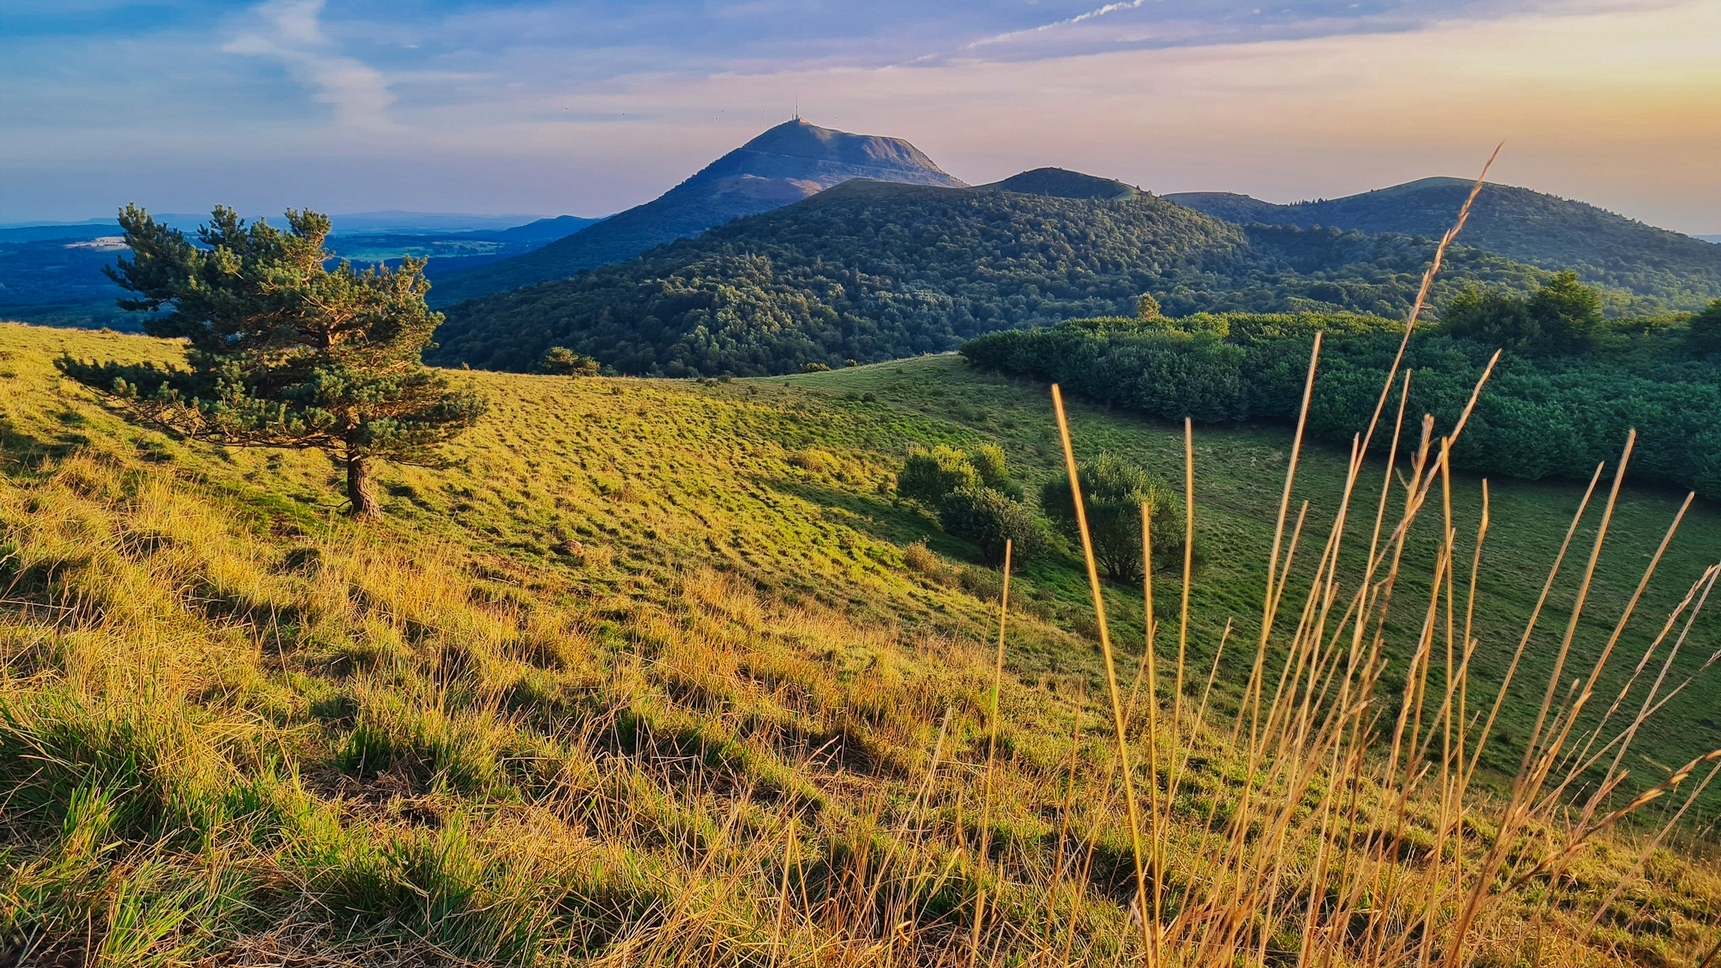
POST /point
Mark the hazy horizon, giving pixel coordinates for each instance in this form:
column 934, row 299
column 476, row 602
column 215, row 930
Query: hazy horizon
column 589, row 108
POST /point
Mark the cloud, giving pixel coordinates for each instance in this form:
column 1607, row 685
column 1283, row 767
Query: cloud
column 291, row 32
column 1066, row 22
column 590, row 106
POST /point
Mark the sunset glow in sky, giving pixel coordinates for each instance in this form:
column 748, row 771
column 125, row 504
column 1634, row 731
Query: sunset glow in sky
column 555, row 106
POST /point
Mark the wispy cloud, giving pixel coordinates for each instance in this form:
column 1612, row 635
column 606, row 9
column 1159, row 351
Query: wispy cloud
column 291, row 32
column 1042, row 28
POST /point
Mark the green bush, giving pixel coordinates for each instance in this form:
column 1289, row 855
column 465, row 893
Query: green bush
column 1153, row 369
column 988, row 461
column 929, row 474
column 565, row 362
column 1113, row 493
column 987, row 518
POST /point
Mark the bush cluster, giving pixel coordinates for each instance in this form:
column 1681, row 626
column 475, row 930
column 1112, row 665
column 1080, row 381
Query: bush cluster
column 1704, row 336
column 974, row 497
column 562, row 361
column 976, row 500
column 930, row 473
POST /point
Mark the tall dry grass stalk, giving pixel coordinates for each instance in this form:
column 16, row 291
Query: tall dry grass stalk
column 1358, row 834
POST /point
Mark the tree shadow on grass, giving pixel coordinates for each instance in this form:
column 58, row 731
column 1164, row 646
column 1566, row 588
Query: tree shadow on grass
column 877, row 517
column 23, row 453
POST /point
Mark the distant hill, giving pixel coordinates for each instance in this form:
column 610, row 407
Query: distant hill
column 52, row 273
column 869, row 271
column 1671, row 270
column 783, row 165
column 88, row 229
column 430, row 223
column 1060, row 183
column 543, row 230
column 514, row 227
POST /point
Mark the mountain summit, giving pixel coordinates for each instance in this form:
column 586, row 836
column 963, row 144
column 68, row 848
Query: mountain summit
column 782, row 165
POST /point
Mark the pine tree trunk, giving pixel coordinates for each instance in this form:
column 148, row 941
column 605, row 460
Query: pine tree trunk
column 359, row 488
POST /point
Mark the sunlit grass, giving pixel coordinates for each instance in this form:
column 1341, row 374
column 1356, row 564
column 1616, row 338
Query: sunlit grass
column 660, row 676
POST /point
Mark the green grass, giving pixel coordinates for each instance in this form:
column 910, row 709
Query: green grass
column 562, row 701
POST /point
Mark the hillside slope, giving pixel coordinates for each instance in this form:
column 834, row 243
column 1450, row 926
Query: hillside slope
column 784, row 164
column 657, row 676
column 1677, row 271
column 869, row 271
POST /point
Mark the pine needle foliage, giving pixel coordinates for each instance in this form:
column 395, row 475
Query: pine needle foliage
column 283, row 351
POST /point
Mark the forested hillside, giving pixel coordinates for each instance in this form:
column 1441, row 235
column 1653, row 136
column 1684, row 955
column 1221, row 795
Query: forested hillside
column 1544, row 414
column 869, row 271
column 1667, row 269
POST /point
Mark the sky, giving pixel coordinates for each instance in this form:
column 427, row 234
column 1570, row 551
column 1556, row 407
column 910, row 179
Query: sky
column 587, row 107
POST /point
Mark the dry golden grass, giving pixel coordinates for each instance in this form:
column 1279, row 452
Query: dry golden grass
column 236, row 730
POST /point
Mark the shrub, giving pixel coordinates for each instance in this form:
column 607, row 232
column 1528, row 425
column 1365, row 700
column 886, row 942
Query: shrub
column 1165, row 372
column 929, row 474
column 987, row 518
column 920, row 559
column 562, row 361
column 814, row 461
column 983, row 583
column 988, row 461
column 1113, row 491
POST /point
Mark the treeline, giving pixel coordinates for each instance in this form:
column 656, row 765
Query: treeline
column 1554, row 407
column 869, row 272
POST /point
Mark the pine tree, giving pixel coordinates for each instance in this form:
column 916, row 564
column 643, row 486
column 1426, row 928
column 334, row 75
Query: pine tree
column 282, row 350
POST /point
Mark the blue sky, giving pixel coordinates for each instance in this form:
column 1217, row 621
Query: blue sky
column 587, row 107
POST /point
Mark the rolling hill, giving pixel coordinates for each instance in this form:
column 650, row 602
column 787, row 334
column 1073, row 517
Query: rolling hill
column 1666, row 269
column 868, row 271
column 784, row 164
column 661, row 673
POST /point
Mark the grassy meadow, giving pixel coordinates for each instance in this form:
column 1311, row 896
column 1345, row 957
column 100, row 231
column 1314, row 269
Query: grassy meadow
column 661, row 673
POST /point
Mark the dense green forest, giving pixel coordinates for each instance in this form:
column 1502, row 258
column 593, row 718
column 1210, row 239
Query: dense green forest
column 1665, row 270
column 869, row 271
column 1553, row 408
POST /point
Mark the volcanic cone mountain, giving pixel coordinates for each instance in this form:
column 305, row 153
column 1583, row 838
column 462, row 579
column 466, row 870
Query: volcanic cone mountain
column 783, row 165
